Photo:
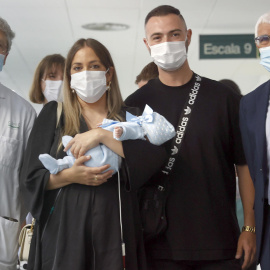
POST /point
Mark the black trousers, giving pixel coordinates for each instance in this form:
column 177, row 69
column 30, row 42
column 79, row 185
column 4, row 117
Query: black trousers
column 265, row 252
column 194, row 265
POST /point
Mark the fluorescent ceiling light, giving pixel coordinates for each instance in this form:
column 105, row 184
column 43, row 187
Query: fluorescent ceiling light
column 105, row 26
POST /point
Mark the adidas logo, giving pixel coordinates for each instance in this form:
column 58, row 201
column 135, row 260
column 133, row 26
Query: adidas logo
column 198, row 78
column 174, row 150
column 187, row 110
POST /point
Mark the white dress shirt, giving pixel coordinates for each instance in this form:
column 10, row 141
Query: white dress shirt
column 267, row 131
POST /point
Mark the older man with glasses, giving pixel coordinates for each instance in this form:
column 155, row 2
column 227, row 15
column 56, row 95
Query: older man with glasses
column 17, row 117
column 255, row 128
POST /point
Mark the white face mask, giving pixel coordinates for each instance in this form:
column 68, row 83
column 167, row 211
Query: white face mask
column 265, row 57
column 89, row 85
column 52, row 90
column 169, row 56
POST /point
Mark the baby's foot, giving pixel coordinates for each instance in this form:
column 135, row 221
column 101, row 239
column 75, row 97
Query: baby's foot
column 118, row 131
column 49, row 163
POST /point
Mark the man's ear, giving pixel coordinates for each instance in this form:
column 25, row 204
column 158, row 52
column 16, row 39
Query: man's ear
column 189, row 34
column 146, row 44
column 5, row 58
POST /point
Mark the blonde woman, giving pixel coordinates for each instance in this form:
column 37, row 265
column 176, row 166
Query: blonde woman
column 77, row 210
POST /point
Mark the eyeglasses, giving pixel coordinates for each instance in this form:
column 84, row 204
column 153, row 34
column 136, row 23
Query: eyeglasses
column 262, row 40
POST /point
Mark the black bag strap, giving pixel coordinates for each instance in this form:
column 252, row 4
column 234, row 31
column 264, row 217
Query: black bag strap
column 184, row 119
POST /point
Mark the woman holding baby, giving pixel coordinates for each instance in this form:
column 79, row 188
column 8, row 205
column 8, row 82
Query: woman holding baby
column 85, row 216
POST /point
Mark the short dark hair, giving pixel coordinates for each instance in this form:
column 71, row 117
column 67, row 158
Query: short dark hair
column 163, row 11
column 150, row 71
column 232, row 85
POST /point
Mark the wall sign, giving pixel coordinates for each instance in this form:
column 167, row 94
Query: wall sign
column 227, row 46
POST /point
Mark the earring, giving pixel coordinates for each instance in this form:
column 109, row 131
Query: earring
column 73, row 91
column 109, row 86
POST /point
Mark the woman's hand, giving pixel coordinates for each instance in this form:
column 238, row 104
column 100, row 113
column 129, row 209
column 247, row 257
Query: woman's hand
column 83, row 142
column 80, row 174
column 90, row 176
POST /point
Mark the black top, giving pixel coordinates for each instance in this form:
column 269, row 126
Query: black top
column 202, row 222
column 83, row 231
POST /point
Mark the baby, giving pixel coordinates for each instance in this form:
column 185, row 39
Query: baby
column 150, row 125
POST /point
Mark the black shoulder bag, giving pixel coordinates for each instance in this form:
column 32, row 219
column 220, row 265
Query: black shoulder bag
column 152, row 198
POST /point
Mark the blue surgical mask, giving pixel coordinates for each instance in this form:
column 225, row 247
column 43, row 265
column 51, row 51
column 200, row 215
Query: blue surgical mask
column 2, row 58
column 265, row 57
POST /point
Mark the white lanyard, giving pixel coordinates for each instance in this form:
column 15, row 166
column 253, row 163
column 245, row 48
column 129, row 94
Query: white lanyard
column 121, row 224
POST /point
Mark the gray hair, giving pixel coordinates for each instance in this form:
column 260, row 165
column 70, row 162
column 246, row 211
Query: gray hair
column 265, row 18
column 5, row 28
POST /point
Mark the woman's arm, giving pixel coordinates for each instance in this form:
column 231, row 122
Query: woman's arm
column 81, row 143
column 79, row 174
column 33, row 176
column 35, row 180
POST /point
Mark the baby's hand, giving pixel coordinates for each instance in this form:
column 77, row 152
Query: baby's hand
column 118, row 131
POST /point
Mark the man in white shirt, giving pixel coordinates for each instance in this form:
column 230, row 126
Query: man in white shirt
column 17, row 117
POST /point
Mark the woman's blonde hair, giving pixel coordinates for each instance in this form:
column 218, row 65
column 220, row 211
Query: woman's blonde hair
column 72, row 106
column 46, row 64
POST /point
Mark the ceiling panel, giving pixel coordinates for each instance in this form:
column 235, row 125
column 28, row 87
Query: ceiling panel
column 112, row 4
column 47, row 26
column 40, row 30
column 121, row 44
column 234, row 15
